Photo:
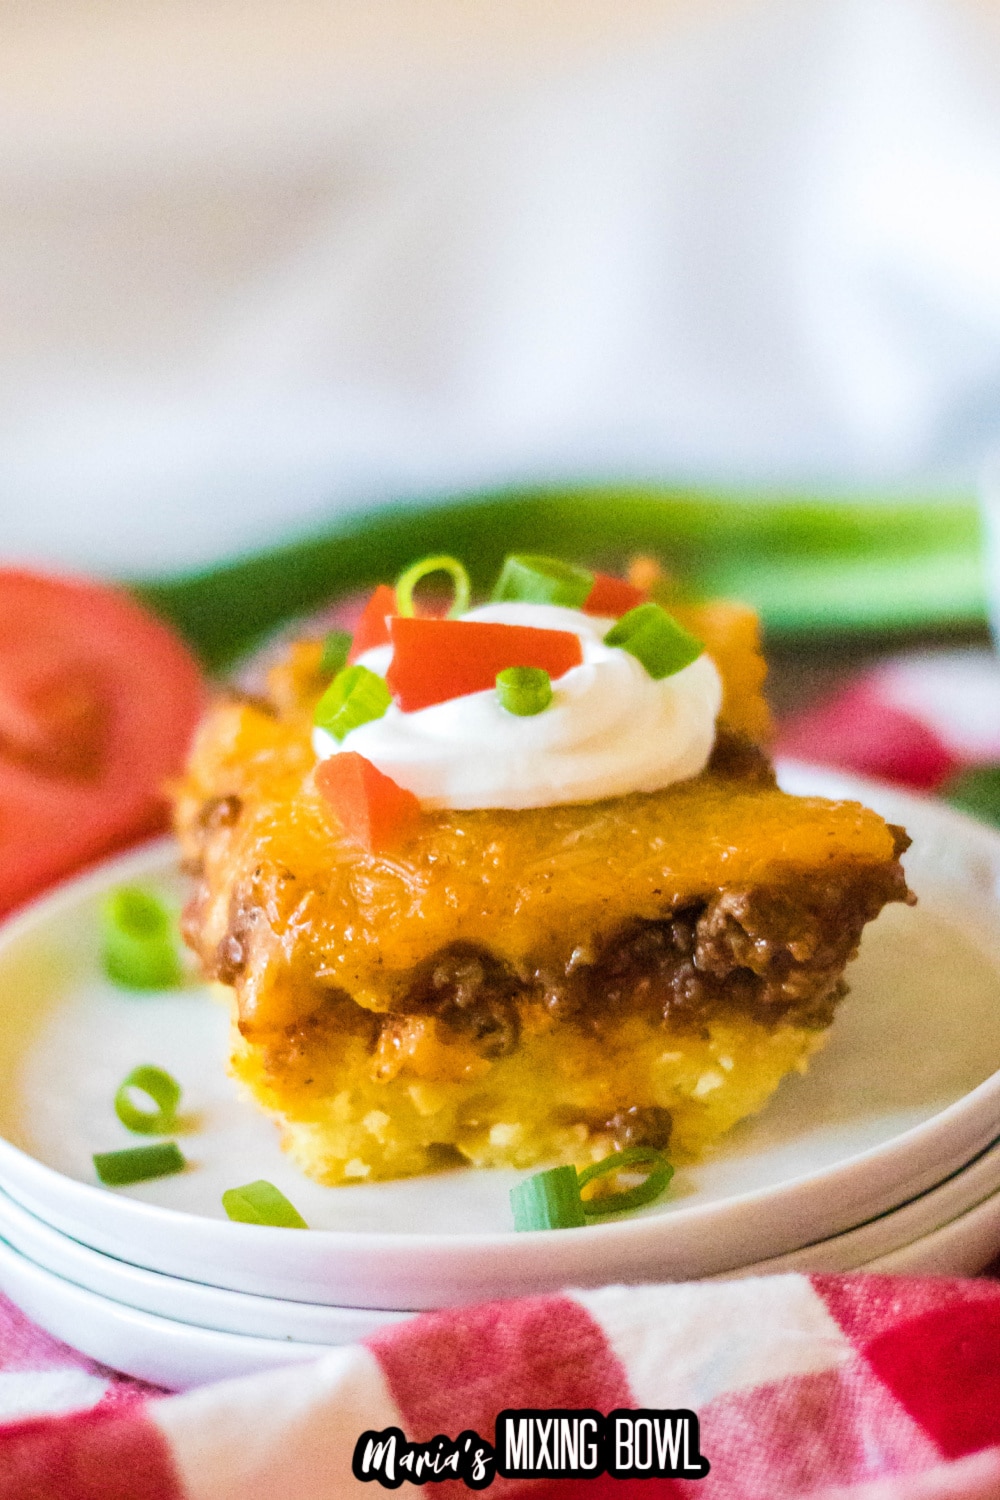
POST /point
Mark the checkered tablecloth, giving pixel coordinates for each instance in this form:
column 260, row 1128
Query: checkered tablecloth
column 876, row 1388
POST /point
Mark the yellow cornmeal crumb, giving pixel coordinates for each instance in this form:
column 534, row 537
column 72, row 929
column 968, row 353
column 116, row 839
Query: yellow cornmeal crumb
column 372, row 1128
column 376, row 1122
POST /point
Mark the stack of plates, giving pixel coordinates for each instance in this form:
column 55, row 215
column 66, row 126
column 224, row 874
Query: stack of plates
column 886, row 1156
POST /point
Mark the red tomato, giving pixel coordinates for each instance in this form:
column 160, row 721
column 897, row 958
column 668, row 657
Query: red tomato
column 612, row 596
column 372, row 628
column 433, row 660
column 98, row 701
column 374, row 811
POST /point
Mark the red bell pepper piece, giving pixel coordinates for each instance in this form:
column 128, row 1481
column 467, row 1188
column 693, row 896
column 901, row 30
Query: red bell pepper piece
column 434, row 660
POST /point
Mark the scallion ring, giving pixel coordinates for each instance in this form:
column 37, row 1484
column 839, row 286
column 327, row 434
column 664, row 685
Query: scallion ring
column 654, row 637
column 138, row 1163
column 158, row 1086
column 355, row 696
column 262, row 1203
column 138, row 944
column 660, row 1173
column 336, row 645
column 529, row 579
column 408, row 581
column 524, row 690
column 553, row 1199
column 548, row 1200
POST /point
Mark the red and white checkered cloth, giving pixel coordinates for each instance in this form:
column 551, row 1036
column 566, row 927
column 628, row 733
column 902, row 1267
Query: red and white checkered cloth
column 916, row 719
column 833, row 1388
column 870, row 1387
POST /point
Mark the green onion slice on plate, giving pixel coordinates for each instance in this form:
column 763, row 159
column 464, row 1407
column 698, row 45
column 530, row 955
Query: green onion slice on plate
column 529, row 579
column 660, row 1173
column 336, row 645
column 553, row 1199
column 548, row 1200
column 138, row 944
column 655, row 638
column 262, row 1203
column 158, row 1086
column 408, row 581
column 355, row 696
column 138, row 1163
column 524, row 690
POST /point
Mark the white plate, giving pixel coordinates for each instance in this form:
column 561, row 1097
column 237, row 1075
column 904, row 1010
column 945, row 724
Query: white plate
column 893, row 1232
column 273, row 1318
column 186, row 1301
column 180, row 1355
column 175, row 1355
column 902, row 1098
column 964, row 1247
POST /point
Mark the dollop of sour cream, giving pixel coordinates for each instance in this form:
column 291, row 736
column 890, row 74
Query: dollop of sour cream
column 609, row 730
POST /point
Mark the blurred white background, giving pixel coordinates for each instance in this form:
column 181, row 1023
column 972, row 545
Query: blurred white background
column 261, row 261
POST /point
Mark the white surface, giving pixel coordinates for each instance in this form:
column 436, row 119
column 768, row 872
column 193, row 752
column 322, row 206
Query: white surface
column 159, row 1350
column 610, row 728
column 264, row 262
column 903, row 1097
column 30, row 1393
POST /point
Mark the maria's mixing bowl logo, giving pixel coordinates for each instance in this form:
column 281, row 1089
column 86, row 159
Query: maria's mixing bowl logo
column 541, row 1444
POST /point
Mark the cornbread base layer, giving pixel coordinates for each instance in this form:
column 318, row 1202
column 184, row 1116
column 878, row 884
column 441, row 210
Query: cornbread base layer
column 558, row 1099
column 522, row 988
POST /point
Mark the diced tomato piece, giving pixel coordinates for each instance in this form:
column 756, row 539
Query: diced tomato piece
column 98, row 702
column 372, row 809
column 434, row 660
column 612, row 597
column 373, row 629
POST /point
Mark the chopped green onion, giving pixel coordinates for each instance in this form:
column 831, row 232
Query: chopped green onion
column 553, row 1200
column 408, row 581
column 138, row 1163
column 655, row 639
column 355, row 696
column 138, row 944
column 165, row 1093
column 336, row 644
column 524, row 690
column 660, row 1174
column 549, row 1200
column 262, row 1203
column 529, row 579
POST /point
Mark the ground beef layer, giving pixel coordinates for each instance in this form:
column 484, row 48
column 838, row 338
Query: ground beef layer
column 775, row 954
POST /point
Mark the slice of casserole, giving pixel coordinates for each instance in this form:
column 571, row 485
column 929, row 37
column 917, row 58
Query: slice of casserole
column 515, row 987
